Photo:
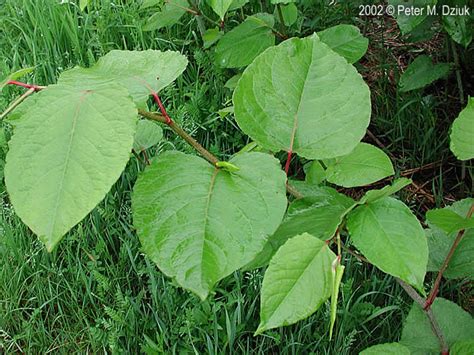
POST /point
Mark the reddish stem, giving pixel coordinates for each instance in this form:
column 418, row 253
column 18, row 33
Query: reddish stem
column 25, row 85
column 288, row 160
column 162, row 108
column 435, row 289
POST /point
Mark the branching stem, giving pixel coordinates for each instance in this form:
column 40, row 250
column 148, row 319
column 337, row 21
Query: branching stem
column 435, row 289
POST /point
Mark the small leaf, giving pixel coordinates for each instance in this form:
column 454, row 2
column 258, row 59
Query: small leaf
column 318, row 214
column 138, row 71
column 232, row 82
column 448, row 220
column 345, row 40
column 364, row 165
column 297, row 282
column 374, row 195
column 462, row 133
column 289, row 13
column 237, row 4
column 220, row 7
column 459, row 28
column 276, row 2
column 169, row 15
column 386, row 349
column 439, row 242
column 211, row 36
column 83, row 4
column 422, row 72
column 65, row 155
column 409, row 21
column 455, row 323
column 315, row 173
column 391, row 238
column 199, row 223
column 227, row 166
column 337, row 271
column 242, row 44
column 147, row 135
column 302, row 96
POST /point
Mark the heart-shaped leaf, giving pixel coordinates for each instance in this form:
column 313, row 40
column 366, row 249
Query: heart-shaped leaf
column 301, row 96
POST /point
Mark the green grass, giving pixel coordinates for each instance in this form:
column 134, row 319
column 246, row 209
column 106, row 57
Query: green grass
column 98, row 293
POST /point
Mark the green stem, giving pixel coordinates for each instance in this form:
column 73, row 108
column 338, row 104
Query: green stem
column 15, row 103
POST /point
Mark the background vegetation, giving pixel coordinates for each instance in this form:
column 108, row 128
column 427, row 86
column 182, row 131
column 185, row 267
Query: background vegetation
column 98, row 293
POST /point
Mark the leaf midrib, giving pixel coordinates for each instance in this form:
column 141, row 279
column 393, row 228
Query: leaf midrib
column 67, row 161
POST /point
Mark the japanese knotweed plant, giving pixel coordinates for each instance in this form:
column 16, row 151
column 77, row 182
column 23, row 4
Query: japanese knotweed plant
column 200, row 219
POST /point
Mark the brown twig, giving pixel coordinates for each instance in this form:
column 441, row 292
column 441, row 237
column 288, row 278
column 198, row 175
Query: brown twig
column 435, row 288
column 180, row 132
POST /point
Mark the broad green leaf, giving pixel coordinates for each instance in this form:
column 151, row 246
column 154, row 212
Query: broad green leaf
column 448, row 220
column 439, row 242
column 456, row 324
column 386, row 349
column 337, row 271
column 462, row 347
column 242, row 44
column 15, row 75
column 364, row 165
column 346, row 40
column 289, row 13
column 66, row 154
column 422, row 72
column 374, row 195
column 139, row 71
column 462, row 133
column 408, row 21
column 199, row 223
column 319, row 214
column 220, row 7
column 14, row 116
column 211, row 36
column 297, row 282
column 315, row 173
column 169, row 15
column 302, row 96
column 391, row 238
column 147, row 135
column 459, row 28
